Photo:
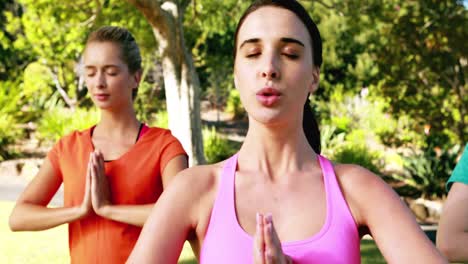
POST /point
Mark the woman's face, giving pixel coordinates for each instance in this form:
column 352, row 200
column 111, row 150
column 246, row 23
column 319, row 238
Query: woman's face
column 273, row 68
column 107, row 77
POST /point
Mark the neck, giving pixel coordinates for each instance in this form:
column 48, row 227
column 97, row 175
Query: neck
column 117, row 124
column 275, row 150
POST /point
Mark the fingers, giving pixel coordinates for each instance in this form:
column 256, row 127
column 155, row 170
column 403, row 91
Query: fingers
column 270, row 247
column 100, row 161
column 273, row 251
column 97, row 162
column 259, row 241
column 88, row 172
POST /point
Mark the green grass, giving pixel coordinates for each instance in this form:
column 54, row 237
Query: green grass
column 370, row 254
column 51, row 246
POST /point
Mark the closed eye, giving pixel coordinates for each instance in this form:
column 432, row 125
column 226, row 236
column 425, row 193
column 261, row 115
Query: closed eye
column 252, row 55
column 291, row 56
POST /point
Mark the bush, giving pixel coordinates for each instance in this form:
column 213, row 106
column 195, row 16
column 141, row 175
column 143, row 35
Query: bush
column 217, row 148
column 330, row 140
column 360, row 155
column 162, row 120
column 429, row 170
column 61, row 121
column 8, row 135
column 234, row 105
column 10, row 95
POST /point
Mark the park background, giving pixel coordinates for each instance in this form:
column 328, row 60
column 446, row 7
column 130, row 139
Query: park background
column 393, row 94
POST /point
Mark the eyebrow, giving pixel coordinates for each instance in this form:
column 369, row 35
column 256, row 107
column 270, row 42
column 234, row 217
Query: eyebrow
column 285, row 40
column 105, row 66
column 292, row 40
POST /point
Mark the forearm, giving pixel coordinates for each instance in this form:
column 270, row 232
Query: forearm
column 31, row 217
column 452, row 235
column 454, row 246
column 129, row 214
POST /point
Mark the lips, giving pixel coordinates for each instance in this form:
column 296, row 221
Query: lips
column 101, row 97
column 268, row 96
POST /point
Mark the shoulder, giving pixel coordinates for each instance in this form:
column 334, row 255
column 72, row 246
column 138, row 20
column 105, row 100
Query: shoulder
column 362, row 189
column 160, row 134
column 460, row 172
column 198, row 180
column 159, row 131
column 194, row 190
column 73, row 138
column 355, row 177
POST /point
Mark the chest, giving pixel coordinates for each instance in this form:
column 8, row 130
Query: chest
column 134, row 177
column 299, row 208
column 113, row 149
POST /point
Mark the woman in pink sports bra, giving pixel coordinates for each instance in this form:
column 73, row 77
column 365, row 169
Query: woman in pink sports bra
column 277, row 200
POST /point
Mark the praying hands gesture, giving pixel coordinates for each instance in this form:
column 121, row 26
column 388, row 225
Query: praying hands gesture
column 100, row 190
column 97, row 193
column 267, row 246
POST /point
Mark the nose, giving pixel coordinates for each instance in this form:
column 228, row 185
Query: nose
column 100, row 80
column 270, row 69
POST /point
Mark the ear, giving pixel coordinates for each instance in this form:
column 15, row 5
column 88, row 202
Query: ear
column 315, row 80
column 235, row 81
column 137, row 78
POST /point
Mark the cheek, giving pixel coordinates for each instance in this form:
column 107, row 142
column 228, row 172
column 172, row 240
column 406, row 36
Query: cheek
column 88, row 82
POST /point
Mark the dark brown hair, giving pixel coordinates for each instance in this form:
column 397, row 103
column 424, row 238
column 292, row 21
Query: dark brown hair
column 309, row 122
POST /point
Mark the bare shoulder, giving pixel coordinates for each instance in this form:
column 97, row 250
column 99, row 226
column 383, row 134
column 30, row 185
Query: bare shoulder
column 355, row 177
column 200, row 176
column 194, row 190
column 197, row 183
column 361, row 189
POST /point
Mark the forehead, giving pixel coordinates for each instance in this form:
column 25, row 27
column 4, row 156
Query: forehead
column 272, row 22
column 102, row 53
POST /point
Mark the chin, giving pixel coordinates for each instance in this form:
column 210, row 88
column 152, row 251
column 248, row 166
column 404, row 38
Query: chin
column 103, row 105
column 268, row 117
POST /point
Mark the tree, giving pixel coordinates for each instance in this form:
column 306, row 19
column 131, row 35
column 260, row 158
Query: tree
column 180, row 78
column 410, row 52
column 425, row 60
column 56, row 33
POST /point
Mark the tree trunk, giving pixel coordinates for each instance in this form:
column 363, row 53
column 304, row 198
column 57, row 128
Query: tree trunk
column 180, row 78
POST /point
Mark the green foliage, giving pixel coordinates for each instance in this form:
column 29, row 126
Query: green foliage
column 424, row 63
column 362, row 117
column 8, row 135
column 61, row 121
column 360, row 155
column 330, row 139
column 10, row 95
column 216, row 147
column 12, row 57
column 429, row 171
column 209, row 27
column 148, row 100
column 161, row 120
column 234, row 105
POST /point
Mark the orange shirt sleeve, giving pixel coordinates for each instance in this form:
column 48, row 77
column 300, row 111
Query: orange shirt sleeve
column 170, row 148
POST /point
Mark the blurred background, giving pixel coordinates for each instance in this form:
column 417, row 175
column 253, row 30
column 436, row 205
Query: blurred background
column 393, row 95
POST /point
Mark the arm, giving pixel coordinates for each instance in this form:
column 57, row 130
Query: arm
column 174, row 216
column 129, row 214
column 31, row 213
column 375, row 205
column 452, row 236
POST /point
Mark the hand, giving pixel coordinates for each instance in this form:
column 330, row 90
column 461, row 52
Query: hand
column 100, row 191
column 86, row 206
column 267, row 246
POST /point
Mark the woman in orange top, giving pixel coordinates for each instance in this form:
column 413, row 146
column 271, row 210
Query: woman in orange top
column 113, row 172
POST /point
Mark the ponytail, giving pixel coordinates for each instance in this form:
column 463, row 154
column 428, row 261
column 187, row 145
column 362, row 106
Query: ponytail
column 311, row 129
